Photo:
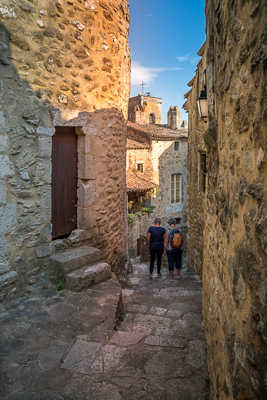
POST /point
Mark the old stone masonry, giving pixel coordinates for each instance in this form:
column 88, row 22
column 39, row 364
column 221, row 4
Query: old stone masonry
column 143, row 342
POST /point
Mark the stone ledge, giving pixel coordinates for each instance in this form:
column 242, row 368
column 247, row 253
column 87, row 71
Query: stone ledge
column 73, row 259
column 87, row 276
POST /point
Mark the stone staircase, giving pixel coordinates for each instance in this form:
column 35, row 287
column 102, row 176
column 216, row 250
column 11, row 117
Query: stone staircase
column 80, row 267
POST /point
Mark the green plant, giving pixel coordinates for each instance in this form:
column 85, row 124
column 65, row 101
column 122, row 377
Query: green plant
column 131, row 218
column 147, row 210
column 60, row 286
column 144, row 210
column 130, row 205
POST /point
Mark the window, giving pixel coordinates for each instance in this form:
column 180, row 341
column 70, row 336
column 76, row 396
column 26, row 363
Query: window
column 202, row 171
column 140, row 167
column 176, row 146
column 176, row 180
column 152, row 118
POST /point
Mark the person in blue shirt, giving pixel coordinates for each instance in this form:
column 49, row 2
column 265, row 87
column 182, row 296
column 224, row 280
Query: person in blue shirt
column 156, row 237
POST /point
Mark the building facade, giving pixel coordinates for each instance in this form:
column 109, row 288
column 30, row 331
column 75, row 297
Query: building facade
column 157, row 162
column 233, row 203
column 197, row 160
column 145, row 109
column 64, row 70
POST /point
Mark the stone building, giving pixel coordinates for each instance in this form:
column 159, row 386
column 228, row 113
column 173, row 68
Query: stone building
column 145, row 109
column 157, row 161
column 228, row 175
column 64, row 69
column 196, row 181
column 139, row 169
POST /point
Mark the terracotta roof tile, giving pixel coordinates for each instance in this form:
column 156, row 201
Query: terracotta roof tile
column 187, row 94
column 191, row 83
column 202, row 49
column 137, row 183
column 136, row 144
column 153, row 131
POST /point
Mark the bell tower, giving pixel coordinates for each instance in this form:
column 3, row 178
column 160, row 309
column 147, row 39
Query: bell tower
column 174, row 117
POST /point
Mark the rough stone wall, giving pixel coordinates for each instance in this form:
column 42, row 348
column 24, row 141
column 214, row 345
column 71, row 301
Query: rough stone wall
column 61, row 63
column 152, row 105
column 140, row 156
column 75, row 53
column 136, row 230
column 140, row 107
column 235, row 246
column 166, row 161
column 195, row 194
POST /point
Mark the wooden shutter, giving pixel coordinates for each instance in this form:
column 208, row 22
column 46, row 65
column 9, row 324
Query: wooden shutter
column 178, row 180
column 172, row 188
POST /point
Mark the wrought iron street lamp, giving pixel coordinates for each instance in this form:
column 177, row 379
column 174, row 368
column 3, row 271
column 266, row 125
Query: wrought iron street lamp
column 202, row 103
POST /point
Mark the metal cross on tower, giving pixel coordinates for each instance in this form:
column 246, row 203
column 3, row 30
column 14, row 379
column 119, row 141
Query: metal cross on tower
column 143, row 86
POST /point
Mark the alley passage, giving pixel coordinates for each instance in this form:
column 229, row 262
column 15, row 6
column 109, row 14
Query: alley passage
column 169, row 362
column 62, row 346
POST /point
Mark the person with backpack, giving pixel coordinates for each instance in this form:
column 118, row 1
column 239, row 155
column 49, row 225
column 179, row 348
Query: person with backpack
column 174, row 248
column 157, row 239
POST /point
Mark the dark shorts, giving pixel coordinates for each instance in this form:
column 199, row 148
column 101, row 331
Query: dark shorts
column 174, row 259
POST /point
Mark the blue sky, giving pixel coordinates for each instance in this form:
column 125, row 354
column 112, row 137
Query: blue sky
column 164, row 39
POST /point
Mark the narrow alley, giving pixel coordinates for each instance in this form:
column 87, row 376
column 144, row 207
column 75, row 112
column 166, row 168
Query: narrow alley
column 63, row 345
column 115, row 114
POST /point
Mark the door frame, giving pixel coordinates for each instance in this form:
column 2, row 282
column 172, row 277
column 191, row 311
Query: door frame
column 55, row 193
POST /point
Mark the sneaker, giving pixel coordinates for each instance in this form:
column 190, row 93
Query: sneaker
column 159, row 275
column 150, row 276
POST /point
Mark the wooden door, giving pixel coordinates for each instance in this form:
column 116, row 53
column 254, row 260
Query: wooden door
column 64, row 182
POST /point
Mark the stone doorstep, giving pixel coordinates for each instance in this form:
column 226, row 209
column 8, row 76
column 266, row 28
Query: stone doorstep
column 74, row 258
column 78, row 238
column 84, row 277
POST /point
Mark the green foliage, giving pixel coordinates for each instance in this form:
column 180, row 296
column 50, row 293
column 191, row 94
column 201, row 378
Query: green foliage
column 60, row 286
column 147, row 210
column 130, row 205
column 131, row 217
column 142, row 211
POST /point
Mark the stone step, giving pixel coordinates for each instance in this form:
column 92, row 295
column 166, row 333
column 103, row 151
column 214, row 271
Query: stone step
column 87, row 276
column 72, row 259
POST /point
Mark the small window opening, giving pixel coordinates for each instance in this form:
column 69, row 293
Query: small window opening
column 176, row 188
column 152, row 118
column 176, row 146
column 140, row 167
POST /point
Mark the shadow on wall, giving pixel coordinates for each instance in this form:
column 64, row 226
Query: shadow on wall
column 172, row 188
column 27, row 125
column 172, row 183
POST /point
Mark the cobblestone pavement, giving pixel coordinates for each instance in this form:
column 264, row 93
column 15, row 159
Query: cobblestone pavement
column 63, row 346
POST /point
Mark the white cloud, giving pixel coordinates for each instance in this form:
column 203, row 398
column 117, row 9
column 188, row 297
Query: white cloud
column 141, row 74
column 183, row 58
column 189, row 57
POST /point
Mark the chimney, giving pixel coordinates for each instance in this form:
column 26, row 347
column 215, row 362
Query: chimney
column 174, row 118
column 184, row 124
